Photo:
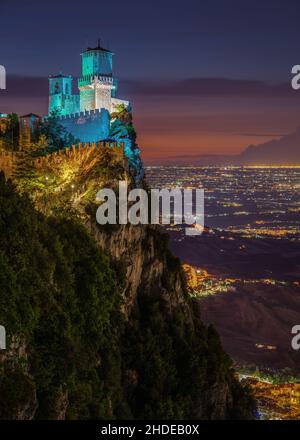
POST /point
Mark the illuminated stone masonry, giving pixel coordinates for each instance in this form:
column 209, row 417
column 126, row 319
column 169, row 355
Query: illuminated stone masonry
column 87, row 126
column 87, row 115
column 77, row 153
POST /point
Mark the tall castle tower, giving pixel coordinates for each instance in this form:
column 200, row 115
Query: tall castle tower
column 96, row 85
column 87, row 115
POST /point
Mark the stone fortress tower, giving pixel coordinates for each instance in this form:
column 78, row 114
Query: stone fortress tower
column 96, row 84
column 86, row 115
column 61, row 98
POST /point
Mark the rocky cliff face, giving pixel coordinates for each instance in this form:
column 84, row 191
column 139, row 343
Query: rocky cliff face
column 24, row 408
column 135, row 251
column 152, row 271
column 172, row 366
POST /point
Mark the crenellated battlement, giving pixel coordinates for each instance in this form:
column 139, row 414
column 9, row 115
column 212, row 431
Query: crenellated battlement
column 76, row 153
column 88, row 79
column 86, row 114
column 81, row 152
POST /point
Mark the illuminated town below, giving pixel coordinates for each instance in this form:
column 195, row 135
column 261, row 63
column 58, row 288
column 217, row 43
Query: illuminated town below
column 249, row 201
column 244, row 271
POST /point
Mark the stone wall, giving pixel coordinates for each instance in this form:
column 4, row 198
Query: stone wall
column 80, row 152
column 88, row 126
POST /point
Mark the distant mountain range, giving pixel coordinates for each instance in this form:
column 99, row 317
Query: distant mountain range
column 282, row 151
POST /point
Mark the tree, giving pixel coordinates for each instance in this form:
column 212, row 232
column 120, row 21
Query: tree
column 10, row 136
column 57, row 136
column 25, row 171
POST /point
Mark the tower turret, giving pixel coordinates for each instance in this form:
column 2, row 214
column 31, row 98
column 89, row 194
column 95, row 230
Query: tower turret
column 97, row 61
column 61, row 99
column 96, row 84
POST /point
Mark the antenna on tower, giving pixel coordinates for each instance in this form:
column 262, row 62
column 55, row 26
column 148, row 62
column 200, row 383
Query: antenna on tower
column 99, row 43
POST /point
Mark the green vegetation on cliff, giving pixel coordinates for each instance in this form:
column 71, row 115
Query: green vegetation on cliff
column 58, row 299
column 72, row 354
column 9, row 133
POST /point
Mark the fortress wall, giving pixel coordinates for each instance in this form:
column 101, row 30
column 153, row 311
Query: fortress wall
column 80, row 153
column 88, row 126
column 77, row 153
column 8, row 163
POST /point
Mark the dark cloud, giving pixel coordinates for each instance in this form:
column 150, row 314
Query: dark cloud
column 29, row 86
column 274, row 135
column 207, row 87
column 24, row 95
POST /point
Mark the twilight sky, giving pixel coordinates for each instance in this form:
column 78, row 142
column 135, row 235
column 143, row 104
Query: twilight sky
column 204, row 77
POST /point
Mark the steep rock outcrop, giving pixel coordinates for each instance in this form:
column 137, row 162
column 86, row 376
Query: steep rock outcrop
column 154, row 281
column 135, row 250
